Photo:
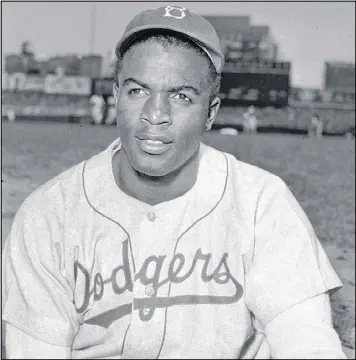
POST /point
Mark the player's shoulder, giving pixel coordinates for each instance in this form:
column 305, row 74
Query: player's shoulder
column 63, row 190
column 243, row 174
column 254, row 174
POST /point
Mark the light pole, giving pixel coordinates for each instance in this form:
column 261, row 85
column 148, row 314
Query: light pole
column 92, row 27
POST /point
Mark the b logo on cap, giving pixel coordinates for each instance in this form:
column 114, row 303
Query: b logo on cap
column 169, row 8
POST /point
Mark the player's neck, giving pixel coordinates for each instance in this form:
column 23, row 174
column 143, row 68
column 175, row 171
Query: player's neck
column 154, row 190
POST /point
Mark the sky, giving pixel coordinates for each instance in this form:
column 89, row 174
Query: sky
column 308, row 33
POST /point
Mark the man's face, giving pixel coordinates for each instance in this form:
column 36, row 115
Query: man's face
column 162, row 106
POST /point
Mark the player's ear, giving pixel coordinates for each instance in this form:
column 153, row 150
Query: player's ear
column 115, row 91
column 213, row 112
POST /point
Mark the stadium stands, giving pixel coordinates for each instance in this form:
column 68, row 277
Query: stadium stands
column 253, row 75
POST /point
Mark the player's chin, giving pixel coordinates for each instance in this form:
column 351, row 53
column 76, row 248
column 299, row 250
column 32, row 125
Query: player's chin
column 151, row 164
column 153, row 168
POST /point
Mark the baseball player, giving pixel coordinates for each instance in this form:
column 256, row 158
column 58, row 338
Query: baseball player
column 161, row 246
column 250, row 120
column 97, row 103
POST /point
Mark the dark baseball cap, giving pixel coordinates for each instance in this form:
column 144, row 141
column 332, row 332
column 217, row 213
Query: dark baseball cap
column 180, row 20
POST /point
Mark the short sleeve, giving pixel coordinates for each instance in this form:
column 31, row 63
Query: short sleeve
column 36, row 298
column 288, row 264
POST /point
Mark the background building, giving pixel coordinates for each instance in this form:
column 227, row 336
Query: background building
column 90, row 65
column 240, row 39
column 71, row 64
column 14, row 64
column 252, row 74
column 339, row 76
column 108, row 64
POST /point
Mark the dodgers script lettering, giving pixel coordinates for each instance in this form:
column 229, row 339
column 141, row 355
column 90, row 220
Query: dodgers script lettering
column 122, row 275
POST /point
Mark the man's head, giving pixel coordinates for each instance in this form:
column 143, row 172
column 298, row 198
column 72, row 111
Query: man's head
column 169, row 39
column 165, row 92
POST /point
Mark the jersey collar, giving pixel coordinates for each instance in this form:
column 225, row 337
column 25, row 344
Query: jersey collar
column 106, row 198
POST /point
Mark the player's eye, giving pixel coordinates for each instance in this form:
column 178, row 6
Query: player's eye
column 137, row 91
column 181, row 97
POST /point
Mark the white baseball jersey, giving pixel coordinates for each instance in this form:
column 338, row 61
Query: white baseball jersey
column 200, row 276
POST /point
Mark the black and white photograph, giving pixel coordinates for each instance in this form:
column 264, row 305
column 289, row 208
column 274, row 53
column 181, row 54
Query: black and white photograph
column 178, row 180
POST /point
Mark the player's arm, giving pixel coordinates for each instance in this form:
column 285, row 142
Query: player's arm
column 37, row 295
column 289, row 279
column 19, row 345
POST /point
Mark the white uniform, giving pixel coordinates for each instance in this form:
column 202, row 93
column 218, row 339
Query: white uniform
column 97, row 108
column 87, row 266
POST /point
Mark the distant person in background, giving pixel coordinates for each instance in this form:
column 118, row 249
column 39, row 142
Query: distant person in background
column 11, row 115
column 110, row 117
column 316, row 127
column 250, row 120
column 97, row 103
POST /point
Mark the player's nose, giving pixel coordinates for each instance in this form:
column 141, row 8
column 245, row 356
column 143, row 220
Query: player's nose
column 157, row 110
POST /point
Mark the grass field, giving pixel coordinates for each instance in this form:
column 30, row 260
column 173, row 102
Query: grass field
column 320, row 173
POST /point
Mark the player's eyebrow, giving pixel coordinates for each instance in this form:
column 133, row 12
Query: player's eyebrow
column 138, row 82
column 187, row 88
column 171, row 90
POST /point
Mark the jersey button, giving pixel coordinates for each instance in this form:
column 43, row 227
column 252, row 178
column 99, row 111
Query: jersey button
column 149, row 290
column 146, row 311
column 151, row 216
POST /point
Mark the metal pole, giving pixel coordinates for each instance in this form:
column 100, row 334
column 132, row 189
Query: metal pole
column 92, row 27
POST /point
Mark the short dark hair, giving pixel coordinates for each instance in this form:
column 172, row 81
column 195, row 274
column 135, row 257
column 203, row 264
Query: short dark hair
column 167, row 39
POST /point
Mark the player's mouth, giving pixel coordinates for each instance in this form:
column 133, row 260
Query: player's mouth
column 153, row 144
